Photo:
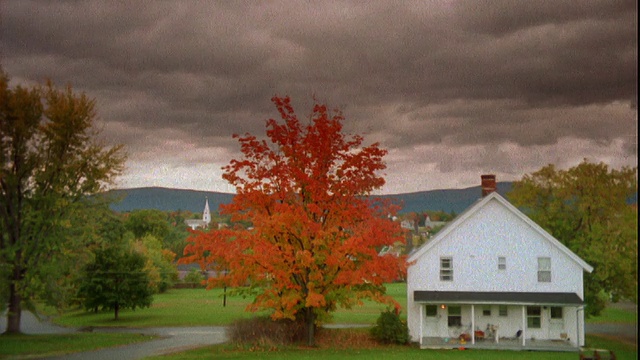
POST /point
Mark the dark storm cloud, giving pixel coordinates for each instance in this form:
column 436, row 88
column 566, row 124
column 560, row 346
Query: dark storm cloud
column 436, row 75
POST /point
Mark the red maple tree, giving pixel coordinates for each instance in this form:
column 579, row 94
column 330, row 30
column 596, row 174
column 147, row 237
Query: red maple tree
column 316, row 233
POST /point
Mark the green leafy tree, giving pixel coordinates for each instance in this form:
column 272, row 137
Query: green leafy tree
column 94, row 227
column 148, row 222
column 587, row 208
column 155, row 237
column 163, row 272
column 50, row 161
column 115, row 280
column 168, row 228
column 176, row 239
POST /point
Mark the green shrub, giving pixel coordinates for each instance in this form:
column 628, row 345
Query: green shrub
column 390, row 329
column 194, row 276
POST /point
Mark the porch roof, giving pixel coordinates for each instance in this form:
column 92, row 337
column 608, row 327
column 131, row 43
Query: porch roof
column 513, row 298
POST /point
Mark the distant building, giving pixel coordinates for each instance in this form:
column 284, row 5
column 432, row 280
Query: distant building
column 430, row 224
column 206, row 218
column 407, row 224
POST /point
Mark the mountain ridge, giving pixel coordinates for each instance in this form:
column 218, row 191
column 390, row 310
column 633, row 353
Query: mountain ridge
column 172, row 199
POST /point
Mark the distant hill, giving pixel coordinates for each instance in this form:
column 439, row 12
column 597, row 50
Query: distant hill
column 165, row 199
column 449, row 200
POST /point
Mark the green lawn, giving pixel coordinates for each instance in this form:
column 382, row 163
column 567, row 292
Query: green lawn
column 200, row 307
column 623, row 352
column 184, row 307
column 613, row 315
column 22, row 346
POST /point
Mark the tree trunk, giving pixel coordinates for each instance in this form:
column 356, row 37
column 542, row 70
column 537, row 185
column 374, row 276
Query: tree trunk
column 116, row 309
column 310, row 320
column 15, row 308
column 409, row 245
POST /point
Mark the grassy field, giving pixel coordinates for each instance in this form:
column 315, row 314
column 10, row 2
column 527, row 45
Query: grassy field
column 615, row 315
column 195, row 307
column 22, row 346
column 200, row 307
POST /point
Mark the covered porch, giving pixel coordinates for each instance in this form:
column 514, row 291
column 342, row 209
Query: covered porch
column 496, row 320
column 503, row 344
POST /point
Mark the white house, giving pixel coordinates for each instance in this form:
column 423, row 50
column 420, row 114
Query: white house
column 494, row 278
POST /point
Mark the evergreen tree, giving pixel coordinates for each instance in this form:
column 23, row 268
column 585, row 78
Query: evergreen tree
column 116, row 280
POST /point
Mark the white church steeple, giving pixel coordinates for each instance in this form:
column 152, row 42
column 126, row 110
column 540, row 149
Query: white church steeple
column 206, row 214
column 206, row 218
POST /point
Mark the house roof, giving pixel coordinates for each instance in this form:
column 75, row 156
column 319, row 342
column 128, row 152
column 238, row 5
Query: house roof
column 477, row 206
column 520, row 298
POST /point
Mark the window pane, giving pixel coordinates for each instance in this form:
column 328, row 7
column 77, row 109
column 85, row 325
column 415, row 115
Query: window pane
column 533, row 316
column 446, row 269
column 502, row 263
column 431, row 310
column 502, row 310
column 544, row 276
column 533, row 322
column 556, row 312
column 454, row 321
column 454, row 318
column 544, row 263
column 486, row 311
column 533, row 311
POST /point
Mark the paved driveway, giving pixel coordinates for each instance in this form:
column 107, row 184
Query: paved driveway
column 172, row 340
column 623, row 332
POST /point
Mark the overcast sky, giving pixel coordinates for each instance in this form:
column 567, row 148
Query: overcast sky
column 453, row 89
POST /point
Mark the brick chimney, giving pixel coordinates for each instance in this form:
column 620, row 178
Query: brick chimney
column 488, row 184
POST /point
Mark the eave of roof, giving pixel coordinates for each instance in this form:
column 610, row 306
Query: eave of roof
column 442, row 234
column 513, row 298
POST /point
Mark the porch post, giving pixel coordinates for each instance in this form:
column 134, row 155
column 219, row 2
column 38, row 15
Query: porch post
column 524, row 324
column 579, row 326
column 421, row 306
column 473, row 324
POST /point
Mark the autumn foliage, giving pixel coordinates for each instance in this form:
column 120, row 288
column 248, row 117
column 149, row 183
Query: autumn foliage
column 315, row 235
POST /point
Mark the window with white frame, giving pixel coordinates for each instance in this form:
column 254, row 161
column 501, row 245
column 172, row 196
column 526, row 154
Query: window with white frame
column 544, row 269
column 446, row 269
column 534, row 317
column 502, row 310
column 502, row 263
column 454, row 317
column 486, row 310
column 431, row 310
